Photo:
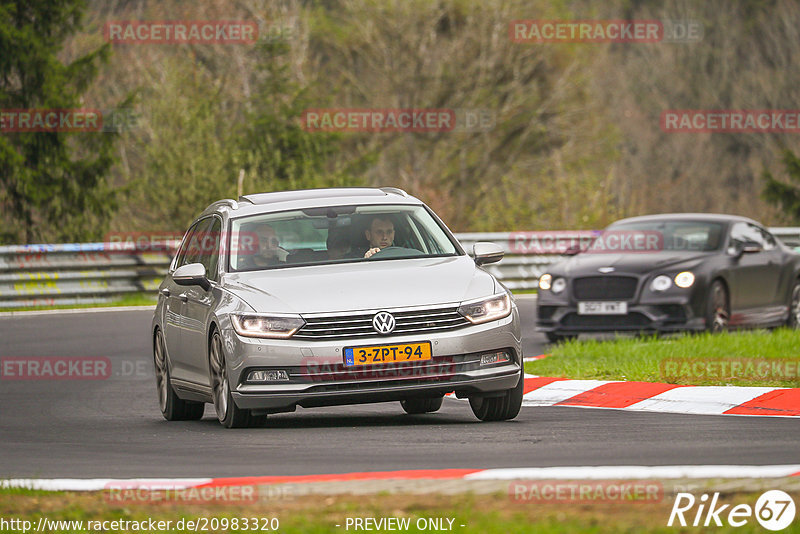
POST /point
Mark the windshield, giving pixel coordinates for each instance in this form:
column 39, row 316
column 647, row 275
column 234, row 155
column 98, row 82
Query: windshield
column 338, row 234
column 653, row 236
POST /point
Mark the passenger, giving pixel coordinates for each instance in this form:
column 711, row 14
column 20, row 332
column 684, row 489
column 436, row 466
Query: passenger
column 338, row 244
column 380, row 234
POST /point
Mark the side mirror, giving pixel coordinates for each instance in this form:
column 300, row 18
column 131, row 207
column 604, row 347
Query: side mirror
column 486, row 252
column 192, row 274
column 751, row 247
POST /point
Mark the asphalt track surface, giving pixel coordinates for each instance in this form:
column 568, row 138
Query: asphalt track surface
column 112, row 428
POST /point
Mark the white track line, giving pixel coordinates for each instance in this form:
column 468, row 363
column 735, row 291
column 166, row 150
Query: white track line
column 637, row 471
column 558, row 391
column 700, row 399
column 77, row 310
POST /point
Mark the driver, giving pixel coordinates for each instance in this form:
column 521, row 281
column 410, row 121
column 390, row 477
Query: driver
column 268, row 252
column 380, row 234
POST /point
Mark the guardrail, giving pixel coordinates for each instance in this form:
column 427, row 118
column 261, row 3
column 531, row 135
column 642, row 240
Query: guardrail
column 46, row 275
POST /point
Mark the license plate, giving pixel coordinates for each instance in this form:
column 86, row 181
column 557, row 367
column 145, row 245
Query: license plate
column 377, row 354
column 602, row 308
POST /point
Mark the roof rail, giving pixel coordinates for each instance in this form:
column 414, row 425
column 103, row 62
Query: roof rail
column 219, row 203
column 394, row 190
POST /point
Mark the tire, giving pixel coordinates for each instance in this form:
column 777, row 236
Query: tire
column 552, row 337
column 718, row 310
column 794, row 306
column 499, row 408
column 173, row 408
column 418, row 406
column 228, row 414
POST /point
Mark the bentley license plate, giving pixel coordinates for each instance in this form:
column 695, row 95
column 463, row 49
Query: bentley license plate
column 602, row 308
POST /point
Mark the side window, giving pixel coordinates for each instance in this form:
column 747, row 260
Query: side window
column 180, row 257
column 743, row 232
column 198, row 242
column 210, row 248
column 768, row 238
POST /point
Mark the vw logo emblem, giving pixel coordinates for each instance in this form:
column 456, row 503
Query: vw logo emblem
column 383, row 322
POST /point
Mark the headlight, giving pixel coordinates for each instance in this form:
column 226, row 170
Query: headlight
column 559, row 284
column 544, row 281
column 269, row 326
column 684, row 279
column 661, row 282
column 485, row 310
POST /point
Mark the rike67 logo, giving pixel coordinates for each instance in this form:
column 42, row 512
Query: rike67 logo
column 774, row 510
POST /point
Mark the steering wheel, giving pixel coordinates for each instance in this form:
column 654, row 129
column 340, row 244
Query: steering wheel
column 396, row 252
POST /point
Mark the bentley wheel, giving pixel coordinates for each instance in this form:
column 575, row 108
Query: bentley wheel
column 718, row 309
column 794, row 307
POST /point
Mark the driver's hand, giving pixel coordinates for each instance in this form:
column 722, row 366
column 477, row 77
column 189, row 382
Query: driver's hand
column 371, row 251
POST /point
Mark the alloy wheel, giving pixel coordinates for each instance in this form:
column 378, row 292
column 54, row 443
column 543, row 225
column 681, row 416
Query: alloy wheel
column 162, row 380
column 219, row 377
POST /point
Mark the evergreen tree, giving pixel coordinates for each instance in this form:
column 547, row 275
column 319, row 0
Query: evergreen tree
column 785, row 196
column 52, row 184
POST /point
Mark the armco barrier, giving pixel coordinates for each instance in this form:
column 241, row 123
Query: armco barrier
column 36, row 275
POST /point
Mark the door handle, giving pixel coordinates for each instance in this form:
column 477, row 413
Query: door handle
column 165, row 291
column 184, row 297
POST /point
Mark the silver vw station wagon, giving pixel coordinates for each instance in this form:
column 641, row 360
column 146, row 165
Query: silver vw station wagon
column 332, row 297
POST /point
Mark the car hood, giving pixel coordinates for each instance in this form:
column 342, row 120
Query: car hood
column 362, row 286
column 638, row 263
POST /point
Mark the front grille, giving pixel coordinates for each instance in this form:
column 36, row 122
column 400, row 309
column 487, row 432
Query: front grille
column 606, row 322
column 349, row 326
column 604, row 288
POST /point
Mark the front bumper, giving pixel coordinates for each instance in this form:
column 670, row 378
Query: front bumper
column 318, row 377
column 667, row 316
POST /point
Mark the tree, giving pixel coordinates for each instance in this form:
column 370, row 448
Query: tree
column 52, row 183
column 783, row 195
column 277, row 153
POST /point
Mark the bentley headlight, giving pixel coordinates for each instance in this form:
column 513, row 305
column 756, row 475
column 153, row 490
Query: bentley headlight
column 684, row 279
column 544, row 281
column 268, row 326
column 485, row 310
column 661, row 282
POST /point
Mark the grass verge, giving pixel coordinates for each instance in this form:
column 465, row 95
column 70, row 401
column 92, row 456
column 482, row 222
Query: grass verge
column 750, row 358
column 498, row 513
column 128, row 299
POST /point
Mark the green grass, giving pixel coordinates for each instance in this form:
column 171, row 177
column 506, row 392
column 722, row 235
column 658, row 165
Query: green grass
column 497, row 513
column 665, row 359
column 525, row 291
column 128, row 299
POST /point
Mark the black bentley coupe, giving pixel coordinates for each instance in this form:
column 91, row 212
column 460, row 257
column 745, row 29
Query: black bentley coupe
column 672, row 272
